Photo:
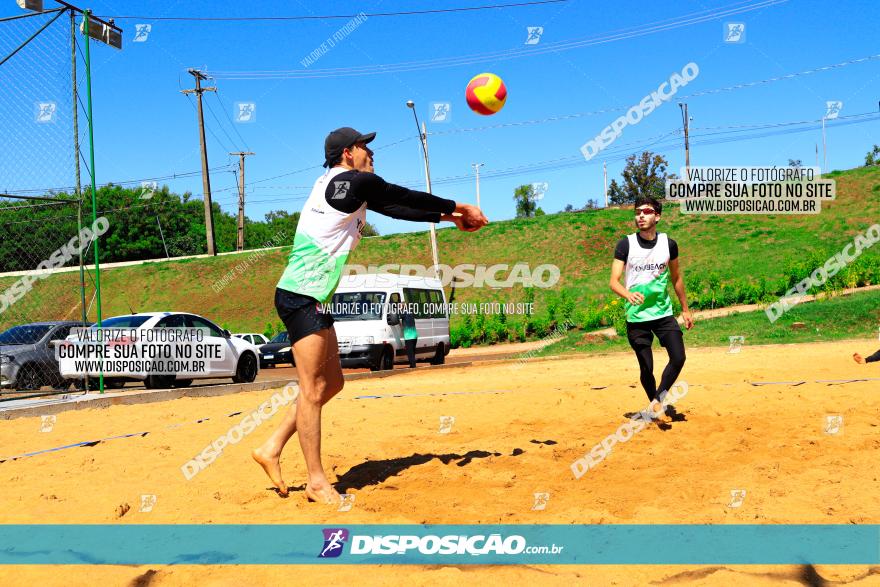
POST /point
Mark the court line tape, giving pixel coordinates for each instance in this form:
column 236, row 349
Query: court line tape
column 100, row 440
column 383, row 396
column 796, row 383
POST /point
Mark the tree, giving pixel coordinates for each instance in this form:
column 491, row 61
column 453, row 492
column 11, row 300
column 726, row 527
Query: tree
column 873, row 157
column 539, row 212
column 591, row 204
column 644, row 176
column 568, row 208
column 616, row 195
column 370, row 230
column 525, row 201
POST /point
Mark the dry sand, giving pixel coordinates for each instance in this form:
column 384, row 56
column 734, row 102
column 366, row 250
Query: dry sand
column 769, row 440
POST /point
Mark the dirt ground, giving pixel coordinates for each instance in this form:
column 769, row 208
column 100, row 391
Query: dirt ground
column 769, row 440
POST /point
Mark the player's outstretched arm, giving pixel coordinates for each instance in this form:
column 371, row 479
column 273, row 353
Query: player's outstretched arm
column 406, row 204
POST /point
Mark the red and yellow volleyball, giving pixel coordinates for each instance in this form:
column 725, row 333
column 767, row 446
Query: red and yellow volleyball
column 486, row 94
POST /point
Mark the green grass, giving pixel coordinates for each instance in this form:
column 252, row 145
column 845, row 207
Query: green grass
column 844, row 317
column 724, row 259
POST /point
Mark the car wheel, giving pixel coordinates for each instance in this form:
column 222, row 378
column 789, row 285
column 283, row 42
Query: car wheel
column 28, row 378
column 440, row 355
column 387, row 360
column 159, row 381
column 246, row 371
column 183, row 382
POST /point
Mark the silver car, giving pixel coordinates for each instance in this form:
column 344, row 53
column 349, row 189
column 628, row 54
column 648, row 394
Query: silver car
column 27, row 359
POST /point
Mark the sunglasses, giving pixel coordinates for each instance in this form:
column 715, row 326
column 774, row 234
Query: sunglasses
column 645, row 211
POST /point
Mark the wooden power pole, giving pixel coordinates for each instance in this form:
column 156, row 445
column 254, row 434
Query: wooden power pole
column 206, row 179
column 241, row 156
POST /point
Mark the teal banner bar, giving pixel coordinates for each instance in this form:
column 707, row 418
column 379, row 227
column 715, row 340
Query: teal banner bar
column 220, row 544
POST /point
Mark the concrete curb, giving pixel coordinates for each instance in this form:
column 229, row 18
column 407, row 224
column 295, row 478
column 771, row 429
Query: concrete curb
column 148, row 396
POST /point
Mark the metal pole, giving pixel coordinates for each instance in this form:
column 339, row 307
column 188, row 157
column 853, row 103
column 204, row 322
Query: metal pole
column 824, row 150
column 167, row 256
column 78, row 177
column 605, row 173
column 88, row 14
column 434, row 254
column 476, row 167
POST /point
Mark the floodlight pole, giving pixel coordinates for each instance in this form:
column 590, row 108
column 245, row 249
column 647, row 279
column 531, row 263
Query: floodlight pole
column 88, row 14
column 423, row 138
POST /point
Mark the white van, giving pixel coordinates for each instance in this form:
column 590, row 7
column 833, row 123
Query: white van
column 365, row 310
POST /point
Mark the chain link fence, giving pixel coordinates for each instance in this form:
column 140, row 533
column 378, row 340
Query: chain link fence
column 43, row 292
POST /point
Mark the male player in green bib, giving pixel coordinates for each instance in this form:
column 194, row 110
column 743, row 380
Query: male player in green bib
column 330, row 228
column 648, row 260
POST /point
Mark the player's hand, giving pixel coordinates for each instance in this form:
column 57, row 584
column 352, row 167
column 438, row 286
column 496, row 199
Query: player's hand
column 473, row 216
column 688, row 319
column 460, row 222
column 635, row 298
column 858, row 358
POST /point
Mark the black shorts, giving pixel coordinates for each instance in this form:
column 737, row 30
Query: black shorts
column 301, row 314
column 641, row 334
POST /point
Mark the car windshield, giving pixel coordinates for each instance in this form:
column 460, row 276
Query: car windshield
column 26, row 334
column 357, row 305
column 132, row 321
column 281, row 337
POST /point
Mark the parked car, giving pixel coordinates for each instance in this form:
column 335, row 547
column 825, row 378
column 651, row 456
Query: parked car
column 253, row 338
column 27, row 359
column 371, row 335
column 240, row 361
column 276, row 351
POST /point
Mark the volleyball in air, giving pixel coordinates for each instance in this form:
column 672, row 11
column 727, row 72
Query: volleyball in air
column 486, row 94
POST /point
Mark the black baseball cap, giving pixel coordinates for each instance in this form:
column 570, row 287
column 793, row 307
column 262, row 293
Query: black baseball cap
column 341, row 139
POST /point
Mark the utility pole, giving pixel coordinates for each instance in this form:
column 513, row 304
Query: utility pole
column 605, row 173
column 817, row 154
column 167, row 256
column 476, row 167
column 206, row 179
column 824, row 150
column 241, row 156
column 687, row 146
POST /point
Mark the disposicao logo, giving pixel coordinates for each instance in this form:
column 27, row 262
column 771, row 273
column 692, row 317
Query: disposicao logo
column 334, row 540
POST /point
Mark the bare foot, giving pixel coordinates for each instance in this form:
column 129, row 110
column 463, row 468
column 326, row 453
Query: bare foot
column 657, row 408
column 858, row 358
column 322, row 494
column 272, row 466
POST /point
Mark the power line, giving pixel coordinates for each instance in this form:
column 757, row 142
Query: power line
column 30, row 14
column 694, row 95
column 620, row 153
column 623, row 34
column 175, row 176
column 221, row 127
column 229, row 118
column 338, row 16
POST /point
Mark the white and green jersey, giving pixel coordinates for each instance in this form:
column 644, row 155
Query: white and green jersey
column 647, row 272
column 324, row 239
column 333, row 218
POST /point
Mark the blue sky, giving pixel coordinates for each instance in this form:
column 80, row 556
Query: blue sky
column 145, row 127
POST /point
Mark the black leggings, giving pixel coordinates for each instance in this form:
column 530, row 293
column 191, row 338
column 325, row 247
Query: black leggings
column 640, row 338
column 411, row 351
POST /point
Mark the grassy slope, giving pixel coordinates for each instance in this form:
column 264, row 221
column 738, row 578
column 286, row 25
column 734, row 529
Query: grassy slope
column 581, row 244
column 839, row 318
